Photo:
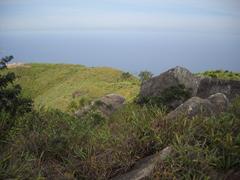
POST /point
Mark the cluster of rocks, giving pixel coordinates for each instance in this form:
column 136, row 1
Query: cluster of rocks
column 209, row 97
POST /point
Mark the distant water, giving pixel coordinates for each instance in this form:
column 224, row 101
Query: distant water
column 129, row 51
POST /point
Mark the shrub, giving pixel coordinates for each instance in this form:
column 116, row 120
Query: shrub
column 51, row 143
column 203, row 149
column 145, row 75
column 126, row 75
column 12, row 104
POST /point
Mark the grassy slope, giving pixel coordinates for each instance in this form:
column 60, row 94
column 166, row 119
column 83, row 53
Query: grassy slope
column 52, row 85
column 221, row 74
column 56, row 145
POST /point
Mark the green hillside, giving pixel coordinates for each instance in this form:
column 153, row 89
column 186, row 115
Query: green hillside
column 53, row 144
column 221, row 74
column 57, row 85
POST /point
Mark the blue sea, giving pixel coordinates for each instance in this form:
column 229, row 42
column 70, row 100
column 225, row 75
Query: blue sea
column 128, row 51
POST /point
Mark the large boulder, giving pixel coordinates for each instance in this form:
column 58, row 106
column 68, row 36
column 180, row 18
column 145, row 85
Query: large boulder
column 173, row 77
column 197, row 106
column 209, row 86
column 106, row 105
column 160, row 85
column 109, row 103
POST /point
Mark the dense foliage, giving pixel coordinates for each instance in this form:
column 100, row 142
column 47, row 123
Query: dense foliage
column 205, row 148
column 53, row 144
column 10, row 93
column 12, row 104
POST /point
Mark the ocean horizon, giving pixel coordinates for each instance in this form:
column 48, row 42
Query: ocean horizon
column 131, row 51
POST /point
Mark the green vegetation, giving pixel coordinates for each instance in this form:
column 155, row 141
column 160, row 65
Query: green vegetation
column 204, row 148
column 58, row 85
column 221, row 74
column 52, row 144
column 145, row 75
column 10, row 93
column 11, row 100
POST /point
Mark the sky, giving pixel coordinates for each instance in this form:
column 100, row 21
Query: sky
column 220, row 16
column 131, row 35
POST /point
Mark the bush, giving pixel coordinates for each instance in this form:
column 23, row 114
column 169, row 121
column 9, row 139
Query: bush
column 145, row 75
column 204, row 149
column 12, row 104
column 10, row 94
column 52, row 143
column 126, row 75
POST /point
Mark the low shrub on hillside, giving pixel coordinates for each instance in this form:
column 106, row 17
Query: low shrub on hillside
column 78, row 104
column 205, row 148
column 126, row 75
column 54, row 144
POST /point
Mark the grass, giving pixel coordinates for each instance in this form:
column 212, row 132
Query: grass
column 53, row 85
column 204, row 148
column 52, row 144
column 221, row 74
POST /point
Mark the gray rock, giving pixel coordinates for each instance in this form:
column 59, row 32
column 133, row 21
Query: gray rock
column 106, row 105
column 209, row 86
column 192, row 107
column 173, row 77
column 145, row 167
column 156, row 86
column 196, row 106
column 109, row 103
column 220, row 102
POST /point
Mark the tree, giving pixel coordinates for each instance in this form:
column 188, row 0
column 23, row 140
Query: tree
column 145, row 75
column 11, row 100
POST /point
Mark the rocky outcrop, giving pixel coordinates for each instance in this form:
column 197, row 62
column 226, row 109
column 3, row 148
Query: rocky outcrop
column 198, row 86
column 145, row 167
column 159, row 86
column 106, row 105
column 173, row 77
column 197, row 106
column 209, row 86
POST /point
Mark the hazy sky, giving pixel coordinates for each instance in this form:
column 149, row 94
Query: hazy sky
column 179, row 15
column 128, row 34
